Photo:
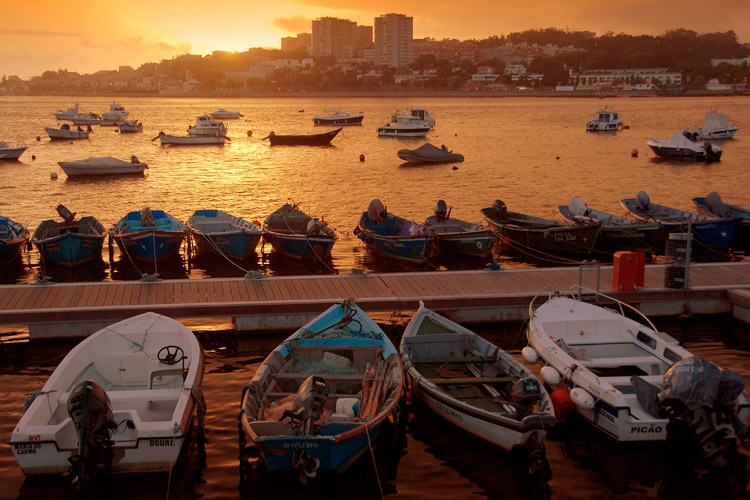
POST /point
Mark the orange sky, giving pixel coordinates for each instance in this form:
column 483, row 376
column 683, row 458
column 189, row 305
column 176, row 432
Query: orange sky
column 90, row 35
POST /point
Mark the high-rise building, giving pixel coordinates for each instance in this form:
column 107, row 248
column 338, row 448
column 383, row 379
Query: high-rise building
column 303, row 41
column 334, row 37
column 394, row 40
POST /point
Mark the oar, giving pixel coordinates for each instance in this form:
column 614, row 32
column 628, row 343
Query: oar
column 158, row 136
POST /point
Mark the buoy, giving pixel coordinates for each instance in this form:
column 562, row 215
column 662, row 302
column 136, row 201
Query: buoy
column 38, row 138
column 634, row 153
column 529, row 355
column 557, row 157
column 561, row 401
column 550, row 375
column 362, row 157
column 33, row 157
column 249, row 133
column 53, row 175
column 582, row 399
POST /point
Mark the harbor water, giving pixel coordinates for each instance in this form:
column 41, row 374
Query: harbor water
column 532, row 153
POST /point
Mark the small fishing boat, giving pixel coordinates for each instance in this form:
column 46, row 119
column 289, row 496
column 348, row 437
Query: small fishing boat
column 475, row 385
column 130, row 126
column 68, row 114
column 716, row 126
column 122, row 400
column 225, row 114
column 106, row 165
column 455, row 236
column 86, row 119
column 320, row 399
column 606, row 121
column 205, row 125
column 65, row 133
column 323, row 139
column 8, row 153
column 336, row 117
column 607, row 359
column 427, row 153
column 682, row 148
column 69, row 242
column 148, row 235
column 394, row 236
column 191, row 140
column 405, row 126
column 713, row 206
column 295, row 234
column 217, row 232
column 117, row 112
column 710, row 231
column 540, row 236
column 13, row 239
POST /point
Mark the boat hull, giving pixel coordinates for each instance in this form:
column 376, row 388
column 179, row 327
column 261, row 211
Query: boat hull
column 192, row 140
column 414, row 249
column 56, row 134
column 303, row 140
column 471, row 244
column 11, row 153
column 149, row 243
column 395, row 131
column 71, row 249
column 13, row 239
column 301, row 246
column 349, row 120
column 105, row 166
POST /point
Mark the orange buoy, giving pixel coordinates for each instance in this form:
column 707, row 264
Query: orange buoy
column 38, row 138
column 561, row 401
column 33, row 157
column 249, row 133
column 362, row 157
column 634, row 153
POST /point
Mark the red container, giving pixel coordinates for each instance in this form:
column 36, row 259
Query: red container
column 629, row 271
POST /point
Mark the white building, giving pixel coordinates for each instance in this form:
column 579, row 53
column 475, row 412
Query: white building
column 612, row 77
column 394, row 40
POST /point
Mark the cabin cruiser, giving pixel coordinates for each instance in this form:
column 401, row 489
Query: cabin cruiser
column 716, row 126
column 116, row 112
column 206, row 125
column 68, row 114
column 420, row 114
column 606, row 121
column 405, row 126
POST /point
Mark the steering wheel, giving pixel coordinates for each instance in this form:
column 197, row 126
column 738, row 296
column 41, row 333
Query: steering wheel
column 171, row 354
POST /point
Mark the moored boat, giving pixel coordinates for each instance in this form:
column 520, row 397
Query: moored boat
column 68, row 114
column 455, row 236
column 70, row 242
column 217, row 232
column 716, row 126
column 713, row 206
column 321, row 397
column 205, row 125
column 606, row 121
column 475, row 385
column 225, row 114
column 148, row 235
column 323, row 139
column 393, row 236
column 538, row 236
column 122, row 400
column 610, row 362
column 295, row 234
column 86, row 119
column 116, row 113
column 130, row 126
column 106, row 165
column 404, row 126
column 682, row 148
column 710, row 231
column 191, row 140
column 65, row 133
column 13, row 239
column 427, row 153
column 336, row 117
column 8, row 153
column 416, row 113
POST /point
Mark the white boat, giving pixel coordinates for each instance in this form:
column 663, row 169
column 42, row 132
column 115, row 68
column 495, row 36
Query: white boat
column 8, row 153
column 206, row 126
column 682, row 148
column 420, row 114
column 606, row 358
column 716, row 126
column 225, row 114
column 606, row 121
column 405, row 126
column 68, row 114
column 190, row 140
column 65, row 132
column 106, row 165
column 116, row 112
column 473, row 384
column 122, row 401
column 130, row 126
column 86, row 119
column 336, row 117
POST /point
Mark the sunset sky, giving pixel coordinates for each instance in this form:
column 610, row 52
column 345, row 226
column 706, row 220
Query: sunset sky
column 90, row 35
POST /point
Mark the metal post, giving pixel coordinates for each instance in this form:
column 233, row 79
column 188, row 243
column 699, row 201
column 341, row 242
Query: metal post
column 688, row 244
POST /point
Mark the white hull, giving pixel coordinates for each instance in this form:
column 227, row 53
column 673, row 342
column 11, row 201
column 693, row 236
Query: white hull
column 101, row 166
column 60, row 134
column 11, row 153
column 125, row 360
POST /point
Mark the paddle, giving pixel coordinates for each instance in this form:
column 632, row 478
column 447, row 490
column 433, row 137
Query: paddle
column 158, row 136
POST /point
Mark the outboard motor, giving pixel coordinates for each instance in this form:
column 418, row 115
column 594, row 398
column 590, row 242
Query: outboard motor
column 715, row 204
column 524, row 394
column 500, row 210
column 577, row 207
column 441, row 210
column 91, row 412
column 314, row 227
column 66, row 214
column 377, row 211
column 642, row 201
column 308, row 405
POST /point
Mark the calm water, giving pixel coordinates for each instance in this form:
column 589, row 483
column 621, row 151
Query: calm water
column 431, row 460
column 533, row 153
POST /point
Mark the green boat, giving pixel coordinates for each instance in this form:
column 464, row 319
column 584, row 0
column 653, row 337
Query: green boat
column 455, row 236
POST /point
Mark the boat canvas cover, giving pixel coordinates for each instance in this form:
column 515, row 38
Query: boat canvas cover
column 428, row 152
column 698, row 382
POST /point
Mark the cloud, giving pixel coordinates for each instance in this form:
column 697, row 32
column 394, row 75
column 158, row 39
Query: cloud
column 296, row 24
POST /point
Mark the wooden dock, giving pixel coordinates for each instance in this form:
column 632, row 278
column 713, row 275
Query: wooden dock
column 286, row 302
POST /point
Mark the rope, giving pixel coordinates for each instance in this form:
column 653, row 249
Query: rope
column 213, row 244
column 372, row 454
column 34, row 395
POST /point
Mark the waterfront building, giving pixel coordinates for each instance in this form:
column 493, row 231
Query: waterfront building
column 394, row 40
column 334, row 37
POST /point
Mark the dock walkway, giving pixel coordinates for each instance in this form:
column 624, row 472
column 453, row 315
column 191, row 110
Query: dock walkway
column 285, row 302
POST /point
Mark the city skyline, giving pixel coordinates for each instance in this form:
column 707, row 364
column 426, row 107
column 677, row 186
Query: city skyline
column 86, row 37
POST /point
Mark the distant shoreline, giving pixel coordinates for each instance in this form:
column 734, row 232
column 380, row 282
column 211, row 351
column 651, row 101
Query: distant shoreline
column 598, row 94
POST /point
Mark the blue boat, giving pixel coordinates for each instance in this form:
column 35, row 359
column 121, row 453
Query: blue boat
column 149, row 235
column 13, row 239
column 295, row 234
column 394, row 236
column 217, row 232
column 69, row 242
column 323, row 395
column 713, row 206
column 710, row 231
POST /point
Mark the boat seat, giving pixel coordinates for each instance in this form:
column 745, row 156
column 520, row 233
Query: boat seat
column 620, row 361
column 133, row 395
column 472, row 380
